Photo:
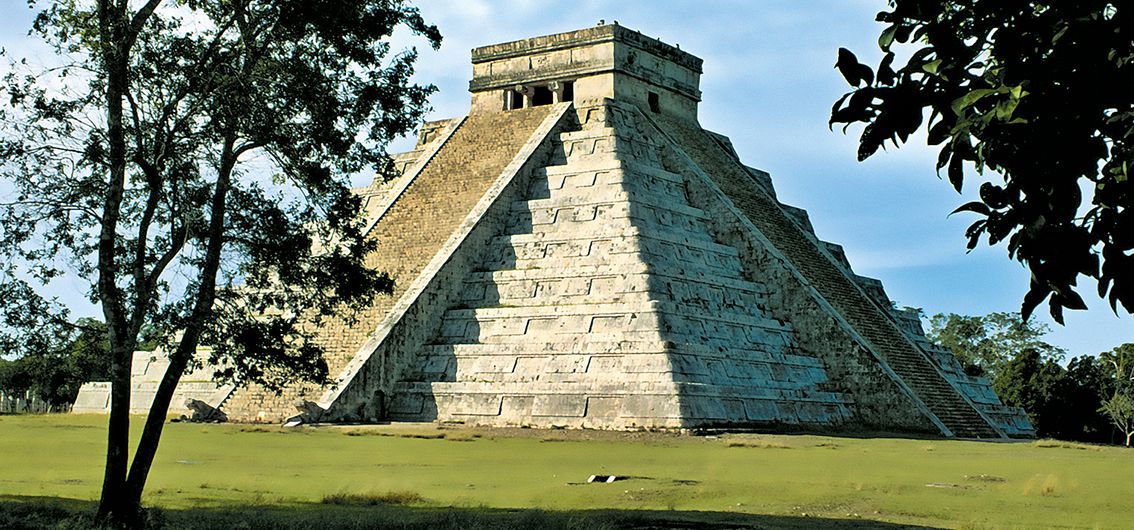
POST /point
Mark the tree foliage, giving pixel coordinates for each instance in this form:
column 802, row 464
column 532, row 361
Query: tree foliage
column 55, row 373
column 1037, row 386
column 188, row 160
column 1090, row 385
column 1036, row 92
column 984, row 344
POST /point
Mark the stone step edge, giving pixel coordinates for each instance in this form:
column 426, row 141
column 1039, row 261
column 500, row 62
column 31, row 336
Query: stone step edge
column 622, row 196
column 633, row 269
column 667, row 236
column 624, row 166
column 468, row 351
column 658, row 307
column 608, row 390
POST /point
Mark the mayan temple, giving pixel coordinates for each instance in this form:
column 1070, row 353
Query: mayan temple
column 578, row 252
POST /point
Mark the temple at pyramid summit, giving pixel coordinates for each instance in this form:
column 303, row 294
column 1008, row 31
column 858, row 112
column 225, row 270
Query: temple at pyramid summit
column 578, row 252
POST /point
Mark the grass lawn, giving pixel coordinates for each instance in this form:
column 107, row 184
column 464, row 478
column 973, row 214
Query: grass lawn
column 358, row 476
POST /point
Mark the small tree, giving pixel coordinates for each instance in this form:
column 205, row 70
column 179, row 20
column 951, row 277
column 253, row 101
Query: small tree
column 1120, row 407
column 190, row 159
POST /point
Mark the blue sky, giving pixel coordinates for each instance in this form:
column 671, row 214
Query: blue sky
column 769, row 84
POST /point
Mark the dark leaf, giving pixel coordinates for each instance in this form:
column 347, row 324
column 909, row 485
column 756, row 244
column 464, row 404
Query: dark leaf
column 887, row 38
column 975, row 206
column 1056, row 311
column 956, row 172
column 886, row 74
column 1034, row 296
column 854, row 72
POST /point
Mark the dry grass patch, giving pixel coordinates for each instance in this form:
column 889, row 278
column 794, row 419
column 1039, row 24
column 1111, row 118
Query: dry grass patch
column 417, row 435
column 462, row 437
column 758, row 444
column 270, row 429
column 1059, row 444
column 984, row 478
column 389, row 498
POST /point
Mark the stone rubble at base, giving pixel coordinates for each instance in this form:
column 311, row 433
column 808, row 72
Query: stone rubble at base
column 578, row 252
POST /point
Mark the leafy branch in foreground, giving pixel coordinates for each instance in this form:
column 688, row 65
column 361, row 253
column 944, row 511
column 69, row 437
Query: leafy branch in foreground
column 1037, row 92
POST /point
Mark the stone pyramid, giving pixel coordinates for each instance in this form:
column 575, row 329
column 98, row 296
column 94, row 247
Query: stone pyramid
column 578, row 252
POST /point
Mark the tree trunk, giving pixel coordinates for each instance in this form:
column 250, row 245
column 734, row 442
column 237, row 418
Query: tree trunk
column 113, row 505
column 151, row 434
column 1128, row 436
column 135, row 483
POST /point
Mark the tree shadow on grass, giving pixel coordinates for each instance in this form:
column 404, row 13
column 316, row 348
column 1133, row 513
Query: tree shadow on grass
column 27, row 512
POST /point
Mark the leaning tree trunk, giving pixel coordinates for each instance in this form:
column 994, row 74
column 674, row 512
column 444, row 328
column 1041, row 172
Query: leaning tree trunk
column 203, row 305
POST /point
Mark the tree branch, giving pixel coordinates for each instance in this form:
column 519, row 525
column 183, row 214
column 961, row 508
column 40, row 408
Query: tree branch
column 139, row 19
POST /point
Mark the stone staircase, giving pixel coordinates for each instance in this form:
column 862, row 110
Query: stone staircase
column 409, row 234
column 606, row 303
column 870, row 321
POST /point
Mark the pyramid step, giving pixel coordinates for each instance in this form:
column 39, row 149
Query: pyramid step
column 606, row 178
column 589, row 388
column 583, row 345
column 571, row 271
column 588, row 133
column 692, row 240
column 622, row 196
column 606, row 215
column 665, row 253
column 576, row 291
column 538, row 287
column 615, row 388
column 634, row 310
column 671, row 248
column 602, row 143
column 469, row 337
column 436, row 358
column 677, row 322
column 627, row 167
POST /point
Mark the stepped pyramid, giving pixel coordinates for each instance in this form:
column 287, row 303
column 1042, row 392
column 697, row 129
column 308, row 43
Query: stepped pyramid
column 578, row 252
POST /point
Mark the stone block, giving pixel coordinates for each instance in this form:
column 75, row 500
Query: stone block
column 559, row 405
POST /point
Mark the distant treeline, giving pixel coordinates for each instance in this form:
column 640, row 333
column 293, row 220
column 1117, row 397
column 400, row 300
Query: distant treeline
column 27, row 403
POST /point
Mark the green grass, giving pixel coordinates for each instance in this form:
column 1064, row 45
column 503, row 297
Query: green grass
column 514, row 479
